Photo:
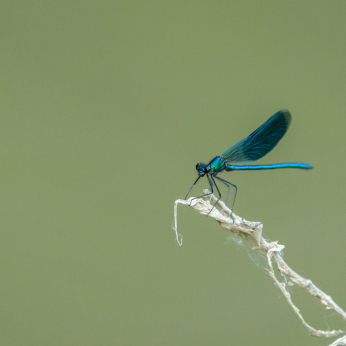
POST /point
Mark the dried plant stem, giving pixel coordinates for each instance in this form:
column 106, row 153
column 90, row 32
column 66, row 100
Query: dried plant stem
column 251, row 232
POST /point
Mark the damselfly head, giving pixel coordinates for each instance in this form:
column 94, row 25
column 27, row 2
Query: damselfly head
column 202, row 169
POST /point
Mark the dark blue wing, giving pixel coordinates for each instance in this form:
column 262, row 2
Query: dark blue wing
column 261, row 141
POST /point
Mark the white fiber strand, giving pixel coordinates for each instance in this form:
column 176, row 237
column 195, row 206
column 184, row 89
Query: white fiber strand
column 251, row 232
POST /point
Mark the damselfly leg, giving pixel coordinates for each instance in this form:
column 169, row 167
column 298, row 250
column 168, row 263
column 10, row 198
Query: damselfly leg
column 192, row 187
column 211, row 187
column 227, row 183
column 212, row 178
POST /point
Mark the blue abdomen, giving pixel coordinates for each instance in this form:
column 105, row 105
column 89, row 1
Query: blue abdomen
column 273, row 166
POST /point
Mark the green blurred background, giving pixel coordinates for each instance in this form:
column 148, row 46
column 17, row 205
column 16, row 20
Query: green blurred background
column 106, row 107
